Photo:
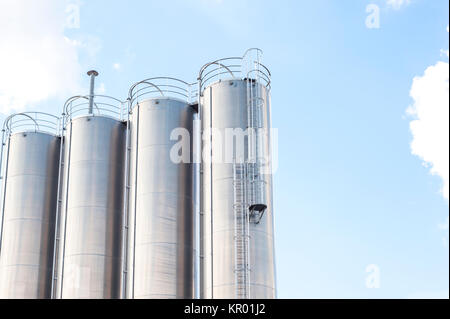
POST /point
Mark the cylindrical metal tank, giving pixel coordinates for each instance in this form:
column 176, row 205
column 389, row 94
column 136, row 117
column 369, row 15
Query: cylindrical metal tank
column 160, row 216
column 30, row 183
column 237, row 249
column 91, row 219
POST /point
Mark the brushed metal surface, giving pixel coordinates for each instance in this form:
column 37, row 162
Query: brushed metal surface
column 160, row 246
column 29, row 216
column 92, row 219
column 224, row 105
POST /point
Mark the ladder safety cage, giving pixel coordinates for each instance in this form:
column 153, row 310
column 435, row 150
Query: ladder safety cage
column 255, row 74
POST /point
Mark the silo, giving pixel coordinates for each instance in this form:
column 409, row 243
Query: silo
column 30, row 154
column 237, row 250
column 91, row 215
column 160, row 216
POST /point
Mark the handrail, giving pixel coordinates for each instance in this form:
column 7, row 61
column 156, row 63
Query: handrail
column 103, row 105
column 32, row 122
column 162, row 87
column 233, row 67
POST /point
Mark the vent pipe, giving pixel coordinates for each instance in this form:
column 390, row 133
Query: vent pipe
column 92, row 74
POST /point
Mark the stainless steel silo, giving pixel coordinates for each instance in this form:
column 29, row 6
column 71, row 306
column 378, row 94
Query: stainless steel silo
column 237, row 249
column 31, row 156
column 160, row 216
column 89, row 263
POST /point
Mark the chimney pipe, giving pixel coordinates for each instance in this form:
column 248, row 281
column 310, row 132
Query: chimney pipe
column 92, row 74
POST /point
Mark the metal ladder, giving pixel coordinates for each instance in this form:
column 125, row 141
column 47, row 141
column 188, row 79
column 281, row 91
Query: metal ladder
column 241, row 232
column 56, row 259
column 59, row 201
column 249, row 184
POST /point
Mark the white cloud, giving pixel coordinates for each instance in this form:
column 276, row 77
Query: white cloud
column 116, row 66
column 430, row 128
column 444, row 226
column 37, row 61
column 397, row 4
column 88, row 43
column 101, row 89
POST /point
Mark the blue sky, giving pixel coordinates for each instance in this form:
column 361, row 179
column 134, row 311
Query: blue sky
column 348, row 192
